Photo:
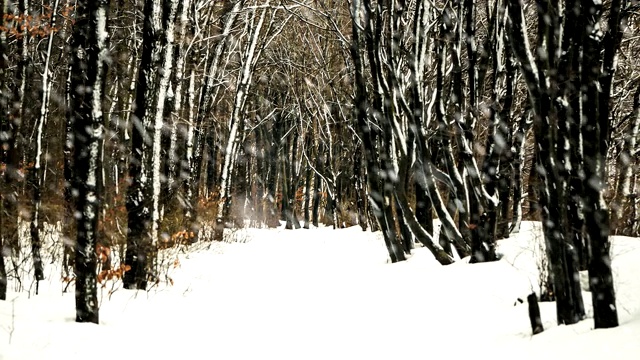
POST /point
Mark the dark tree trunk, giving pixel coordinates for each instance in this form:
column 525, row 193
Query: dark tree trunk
column 406, row 236
column 212, row 160
column 286, row 209
column 360, row 188
column 6, row 144
column 307, row 183
column 423, row 208
column 377, row 160
column 534, row 314
column 518, row 156
column 569, row 111
column 459, row 236
column 35, row 224
column 597, row 79
column 317, row 185
column 294, row 178
column 139, row 254
column 167, row 166
column 273, row 159
column 68, row 223
column 89, row 70
column 261, row 179
column 289, row 181
column 508, row 169
column 271, row 203
column 560, row 251
column 3, row 269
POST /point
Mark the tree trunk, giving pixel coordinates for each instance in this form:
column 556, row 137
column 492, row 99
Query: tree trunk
column 208, row 97
column 625, row 195
column 6, row 143
column 360, row 188
column 68, row 224
column 597, row 79
column 144, row 168
column 307, row 183
column 37, row 175
column 89, row 70
column 560, row 251
column 519, row 140
column 534, row 314
column 243, row 85
column 317, row 185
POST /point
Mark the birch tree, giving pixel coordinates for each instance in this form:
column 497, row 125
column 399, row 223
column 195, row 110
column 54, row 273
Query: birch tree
column 208, row 96
column 144, row 169
column 251, row 54
column 89, row 68
column 37, row 172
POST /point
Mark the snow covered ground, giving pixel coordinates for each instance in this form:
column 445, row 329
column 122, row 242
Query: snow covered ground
column 325, row 294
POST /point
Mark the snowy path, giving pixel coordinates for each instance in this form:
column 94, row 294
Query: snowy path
column 320, row 294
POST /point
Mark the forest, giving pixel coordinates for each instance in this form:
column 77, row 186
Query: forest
column 129, row 127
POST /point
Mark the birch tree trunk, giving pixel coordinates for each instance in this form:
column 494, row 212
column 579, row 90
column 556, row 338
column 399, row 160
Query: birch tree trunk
column 169, row 8
column 68, row 225
column 88, row 77
column 14, row 173
column 37, row 169
column 250, row 57
column 144, row 175
column 207, row 99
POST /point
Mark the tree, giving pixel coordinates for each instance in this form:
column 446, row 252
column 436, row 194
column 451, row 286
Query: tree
column 570, row 93
column 89, row 68
column 144, row 169
column 37, row 176
column 208, row 97
column 250, row 56
column 597, row 78
column 4, row 120
column 553, row 188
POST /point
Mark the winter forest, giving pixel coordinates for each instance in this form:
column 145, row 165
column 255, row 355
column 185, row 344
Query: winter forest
column 133, row 132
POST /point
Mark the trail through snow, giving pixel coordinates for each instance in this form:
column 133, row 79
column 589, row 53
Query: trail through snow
column 325, row 294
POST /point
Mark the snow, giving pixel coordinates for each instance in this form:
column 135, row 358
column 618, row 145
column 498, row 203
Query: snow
column 324, row 294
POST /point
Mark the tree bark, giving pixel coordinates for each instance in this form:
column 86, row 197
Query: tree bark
column 597, row 79
column 250, row 56
column 560, row 252
column 143, row 170
column 37, row 174
column 7, row 143
column 88, row 76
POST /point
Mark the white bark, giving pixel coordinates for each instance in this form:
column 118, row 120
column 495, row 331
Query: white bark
column 177, row 98
column 632, row 154
column 45, row 91
column 243, row 85
column 188, row 200
column 156, row 146
column 131, row 98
